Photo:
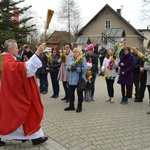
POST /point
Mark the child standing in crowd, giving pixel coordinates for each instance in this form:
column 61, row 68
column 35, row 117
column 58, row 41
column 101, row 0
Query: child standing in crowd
column 126, row 65
column 89, row 83
column 93, row 59
column 109, row 67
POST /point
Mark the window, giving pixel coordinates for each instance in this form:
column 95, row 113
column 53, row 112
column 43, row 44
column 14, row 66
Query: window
column 107, row 24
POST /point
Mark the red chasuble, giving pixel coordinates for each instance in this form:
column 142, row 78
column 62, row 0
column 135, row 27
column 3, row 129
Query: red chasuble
column 20, row 102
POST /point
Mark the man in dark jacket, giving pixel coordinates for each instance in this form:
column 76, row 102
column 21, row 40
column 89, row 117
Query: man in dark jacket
column 143, row 79
column 142, row 87
column 136, row 74
column 102, row 53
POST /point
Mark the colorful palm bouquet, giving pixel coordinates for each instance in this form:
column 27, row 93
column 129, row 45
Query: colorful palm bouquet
column 111, row 63
column 118, row 46
column 110, row 66
column 63, row 56
column 89, row 72
column 89, row 76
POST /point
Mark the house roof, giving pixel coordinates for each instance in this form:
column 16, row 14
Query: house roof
column 116, row 13
column 60, row 38
column 143, row 30
column 59, row 34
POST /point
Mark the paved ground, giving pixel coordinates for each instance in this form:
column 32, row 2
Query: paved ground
column 100, row 126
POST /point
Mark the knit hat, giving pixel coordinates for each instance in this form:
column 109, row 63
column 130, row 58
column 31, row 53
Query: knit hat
column 90, row 47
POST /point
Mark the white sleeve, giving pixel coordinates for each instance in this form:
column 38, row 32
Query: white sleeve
column 32, row 65
column 104, row 64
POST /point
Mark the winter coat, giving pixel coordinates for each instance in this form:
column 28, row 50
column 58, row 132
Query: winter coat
column 137, row 65
column 94, row 60
column 103, row 52
column 44, row 61
column 74, row 75
column 27, row 54
column 55, row 66
column 63, row 73
column 129, row 62
column 147, row 68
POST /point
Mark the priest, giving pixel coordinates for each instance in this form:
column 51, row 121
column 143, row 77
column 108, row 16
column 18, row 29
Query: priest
column 21, row 109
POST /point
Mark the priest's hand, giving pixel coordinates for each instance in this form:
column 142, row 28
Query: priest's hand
column 40, row 49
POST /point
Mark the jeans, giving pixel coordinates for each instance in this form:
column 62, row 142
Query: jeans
column 55, row 83
column 43, row 82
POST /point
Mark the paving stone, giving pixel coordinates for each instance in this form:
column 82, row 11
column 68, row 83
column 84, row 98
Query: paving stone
column 100, row 126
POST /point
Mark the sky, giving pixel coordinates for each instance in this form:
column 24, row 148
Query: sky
column 130, row 10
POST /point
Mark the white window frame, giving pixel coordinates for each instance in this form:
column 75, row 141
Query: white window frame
column 107, row 24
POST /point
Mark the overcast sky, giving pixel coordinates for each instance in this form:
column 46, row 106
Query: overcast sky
column 131, row 10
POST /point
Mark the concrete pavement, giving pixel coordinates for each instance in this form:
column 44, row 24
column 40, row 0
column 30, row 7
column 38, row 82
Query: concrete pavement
column 100, row 126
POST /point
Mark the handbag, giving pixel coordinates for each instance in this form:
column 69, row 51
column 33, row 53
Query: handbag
column 81, row 86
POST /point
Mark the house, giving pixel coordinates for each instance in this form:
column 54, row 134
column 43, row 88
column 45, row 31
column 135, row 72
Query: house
column 108, row 26
column 145, row 33
column 59, row 38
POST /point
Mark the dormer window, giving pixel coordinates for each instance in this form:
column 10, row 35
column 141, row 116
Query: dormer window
column 107, row 24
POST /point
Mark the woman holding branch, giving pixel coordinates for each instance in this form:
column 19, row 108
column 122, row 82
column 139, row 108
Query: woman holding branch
column 75, row 66
column 110, row 64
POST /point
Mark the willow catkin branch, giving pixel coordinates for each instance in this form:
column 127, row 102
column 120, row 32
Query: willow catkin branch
column 140, row 54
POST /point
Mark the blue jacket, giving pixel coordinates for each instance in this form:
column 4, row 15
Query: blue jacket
column 74, row 75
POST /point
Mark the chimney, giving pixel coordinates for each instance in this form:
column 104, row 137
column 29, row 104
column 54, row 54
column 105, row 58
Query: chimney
column 119, row 11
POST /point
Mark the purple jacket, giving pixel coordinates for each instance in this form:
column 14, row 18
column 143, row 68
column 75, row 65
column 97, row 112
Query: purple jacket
column 128, row 61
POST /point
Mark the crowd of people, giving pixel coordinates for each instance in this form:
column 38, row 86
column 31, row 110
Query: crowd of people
column 66, row 65
column 128, row 66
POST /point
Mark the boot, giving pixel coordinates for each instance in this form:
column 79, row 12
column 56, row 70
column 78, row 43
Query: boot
column 79, row 108
column 71, row 107
column 2, row 143
column 65, row 98
column 125, row 101
column 122, row 100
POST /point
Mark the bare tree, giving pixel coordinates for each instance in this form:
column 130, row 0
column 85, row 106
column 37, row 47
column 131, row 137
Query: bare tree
column 69, row 13
column 146, row 10
column 34, row 35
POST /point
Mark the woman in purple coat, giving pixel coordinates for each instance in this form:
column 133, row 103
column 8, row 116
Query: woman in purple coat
column 126, row 65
